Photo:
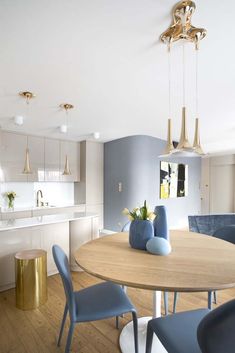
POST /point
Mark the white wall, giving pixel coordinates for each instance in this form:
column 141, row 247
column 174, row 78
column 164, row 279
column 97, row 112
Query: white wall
column 55, row 193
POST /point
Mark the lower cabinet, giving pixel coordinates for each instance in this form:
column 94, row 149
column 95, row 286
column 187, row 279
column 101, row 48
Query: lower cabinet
column 69, row 235
column 40, row 237
column 81, row 231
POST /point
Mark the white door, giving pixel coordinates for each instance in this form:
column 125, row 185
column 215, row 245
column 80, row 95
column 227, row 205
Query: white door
column 222, row 189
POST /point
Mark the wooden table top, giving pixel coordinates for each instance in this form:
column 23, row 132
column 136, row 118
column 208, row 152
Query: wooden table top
column 197, row 263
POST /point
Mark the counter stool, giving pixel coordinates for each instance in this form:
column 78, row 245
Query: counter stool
column 31, row 278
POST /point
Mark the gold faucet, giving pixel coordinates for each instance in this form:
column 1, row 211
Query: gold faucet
column 39, row 199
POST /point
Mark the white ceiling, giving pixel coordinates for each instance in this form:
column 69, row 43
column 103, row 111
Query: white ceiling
column 105, row 57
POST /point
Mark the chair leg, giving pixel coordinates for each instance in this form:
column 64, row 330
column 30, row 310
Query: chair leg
column 135, row 326
column 117, row 322
column 175, row 301
column 62, row 324
column 210, row 300
column 69, row 338
column 215, row 297
column 166, row 302
column 149, row 339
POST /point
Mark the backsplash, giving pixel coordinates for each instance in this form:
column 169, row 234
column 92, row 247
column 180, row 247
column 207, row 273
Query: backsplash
column 57, row 194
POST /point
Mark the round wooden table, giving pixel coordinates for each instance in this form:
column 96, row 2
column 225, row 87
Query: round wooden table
column 197, row 263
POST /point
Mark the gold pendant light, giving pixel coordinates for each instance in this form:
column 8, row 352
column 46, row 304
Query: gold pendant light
column 67, row 170
column 27, row 168
column 169, row 146
column 66, row 107
column 182, row 29
column 184, row 144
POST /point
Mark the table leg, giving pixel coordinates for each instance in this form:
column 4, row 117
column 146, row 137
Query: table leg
column 126, row 339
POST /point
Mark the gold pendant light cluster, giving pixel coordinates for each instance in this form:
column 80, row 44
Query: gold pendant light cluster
column 182, row 29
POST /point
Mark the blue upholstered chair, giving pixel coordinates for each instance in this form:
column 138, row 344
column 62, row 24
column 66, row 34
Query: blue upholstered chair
column 196, row 331
column 226, row 233
column 97, row 302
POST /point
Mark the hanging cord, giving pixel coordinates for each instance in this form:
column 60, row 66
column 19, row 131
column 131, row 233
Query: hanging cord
column 169, row 81
column 196, row 83
column 183, row 63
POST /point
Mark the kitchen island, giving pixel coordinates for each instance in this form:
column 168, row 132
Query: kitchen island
column 69, row 231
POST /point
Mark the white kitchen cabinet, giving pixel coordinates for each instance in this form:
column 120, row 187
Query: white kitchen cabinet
column 36, row 155
column 39, row 237
column 81, row 231
column 54, row 234
column 13, row 148
column 52, row 160
column 72, row 151
column 13, row 241
column 99, row 210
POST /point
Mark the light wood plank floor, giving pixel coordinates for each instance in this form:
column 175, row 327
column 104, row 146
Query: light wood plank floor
column 36, row 331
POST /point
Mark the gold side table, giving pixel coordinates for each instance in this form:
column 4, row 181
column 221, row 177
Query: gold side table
column 31, row 278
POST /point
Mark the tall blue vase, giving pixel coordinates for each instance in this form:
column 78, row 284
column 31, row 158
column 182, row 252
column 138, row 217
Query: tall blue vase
column 139, row 234
column 160, row 223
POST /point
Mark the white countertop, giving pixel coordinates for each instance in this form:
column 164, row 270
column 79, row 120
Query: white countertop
column 43, row 220
column 33, row 208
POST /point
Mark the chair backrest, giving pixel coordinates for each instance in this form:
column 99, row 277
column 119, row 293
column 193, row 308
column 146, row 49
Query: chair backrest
column 62, row 265
column 215, row 332
column 126, row 227
column 226, row 233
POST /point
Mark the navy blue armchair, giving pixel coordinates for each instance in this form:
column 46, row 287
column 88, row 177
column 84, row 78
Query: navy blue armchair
column 196, row 331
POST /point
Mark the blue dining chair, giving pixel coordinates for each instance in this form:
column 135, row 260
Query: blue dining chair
column 196, row 331
column 226, row 233
column 101, row 301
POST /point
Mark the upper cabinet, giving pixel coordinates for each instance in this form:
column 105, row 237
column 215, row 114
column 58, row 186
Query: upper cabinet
column 12, row 156
column 36, row 155
column 72, row 151
column 52, row 160
column 47, row 158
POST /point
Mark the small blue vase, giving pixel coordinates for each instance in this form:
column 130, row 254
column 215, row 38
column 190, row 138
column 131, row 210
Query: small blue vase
column 139, row 234
column 160, row 223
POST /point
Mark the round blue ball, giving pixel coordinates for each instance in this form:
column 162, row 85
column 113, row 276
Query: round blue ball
column 158, row 246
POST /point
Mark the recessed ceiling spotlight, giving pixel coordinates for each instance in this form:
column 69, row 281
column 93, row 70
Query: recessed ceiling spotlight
column 18, row 120
column 63, row 128
column 96, row 135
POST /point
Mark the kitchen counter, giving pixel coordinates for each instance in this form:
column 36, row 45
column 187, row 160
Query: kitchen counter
column 43, row 220
column 35, row 208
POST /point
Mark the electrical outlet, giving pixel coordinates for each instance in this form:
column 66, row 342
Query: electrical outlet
column 119, row 187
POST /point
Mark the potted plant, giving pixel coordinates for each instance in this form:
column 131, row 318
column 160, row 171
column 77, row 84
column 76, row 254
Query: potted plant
column 11, row 195
column 141, row 228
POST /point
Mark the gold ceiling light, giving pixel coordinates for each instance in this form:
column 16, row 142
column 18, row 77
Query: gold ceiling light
column 67, row 170
column 66, row 107
column 27, row 95
column 27, row 168
column 183, row 30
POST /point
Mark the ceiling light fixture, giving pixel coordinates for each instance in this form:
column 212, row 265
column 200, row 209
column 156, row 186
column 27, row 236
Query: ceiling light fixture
column 96, row 135
column 27, row 95
column 18, row 120
column 64, row 129
column 182, row 29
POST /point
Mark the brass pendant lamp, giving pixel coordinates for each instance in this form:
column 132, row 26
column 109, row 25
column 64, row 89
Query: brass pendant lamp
column 66, row 107
column 182, row 29
column 27, row 168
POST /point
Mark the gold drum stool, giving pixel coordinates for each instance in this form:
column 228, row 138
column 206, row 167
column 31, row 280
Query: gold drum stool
column 31, row 278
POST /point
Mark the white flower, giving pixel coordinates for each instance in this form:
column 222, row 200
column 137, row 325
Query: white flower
column 126, row 212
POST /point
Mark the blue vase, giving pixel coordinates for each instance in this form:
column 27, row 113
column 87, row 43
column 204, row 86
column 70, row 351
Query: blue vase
column 139, row 234
column 160, row 223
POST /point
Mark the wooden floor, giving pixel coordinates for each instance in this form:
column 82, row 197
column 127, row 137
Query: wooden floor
column 36, row 331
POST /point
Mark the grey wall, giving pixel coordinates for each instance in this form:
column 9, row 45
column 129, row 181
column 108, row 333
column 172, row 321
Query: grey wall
column 134, row 162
